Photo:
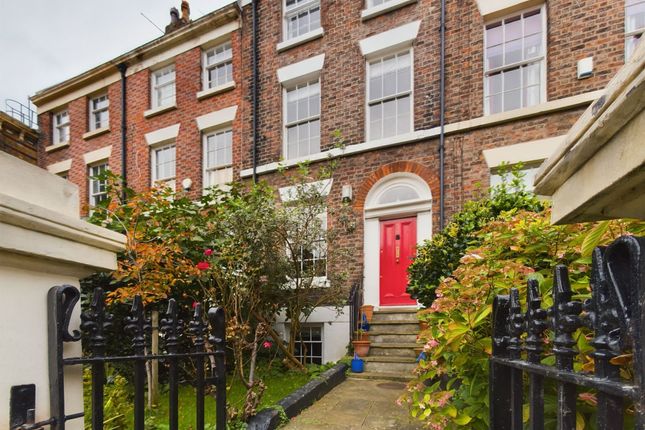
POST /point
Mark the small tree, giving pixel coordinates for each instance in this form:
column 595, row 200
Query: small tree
column 315, row 262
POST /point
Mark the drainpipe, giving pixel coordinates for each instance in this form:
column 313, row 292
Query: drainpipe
column 255, row 89
column 124, row 128
column 442, row 118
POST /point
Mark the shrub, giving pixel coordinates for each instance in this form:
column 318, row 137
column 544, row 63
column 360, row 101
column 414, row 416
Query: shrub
column 439, row 257
column 451, row 389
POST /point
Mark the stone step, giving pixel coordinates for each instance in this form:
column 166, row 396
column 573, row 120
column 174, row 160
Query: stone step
column 396, row 326
column 380, row 316
column 388, row 376
column 404, row 350
column 401, row 365
column 388, row 337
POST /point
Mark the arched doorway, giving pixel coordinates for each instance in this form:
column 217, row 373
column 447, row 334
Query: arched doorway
column 398, row 216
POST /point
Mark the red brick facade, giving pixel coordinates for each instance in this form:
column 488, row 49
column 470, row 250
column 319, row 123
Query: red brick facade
column 575, row 29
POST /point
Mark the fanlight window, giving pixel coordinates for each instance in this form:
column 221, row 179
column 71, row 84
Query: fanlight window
column 398, row 193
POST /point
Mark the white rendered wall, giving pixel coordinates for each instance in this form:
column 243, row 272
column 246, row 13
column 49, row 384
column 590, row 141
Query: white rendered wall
column 43, row 243
column 335, row 330
column 23, row 333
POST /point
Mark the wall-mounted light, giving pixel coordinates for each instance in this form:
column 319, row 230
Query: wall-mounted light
column 346, row 193
column 186, row 184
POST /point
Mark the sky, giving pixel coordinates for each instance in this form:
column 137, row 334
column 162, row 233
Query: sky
column 44, row 42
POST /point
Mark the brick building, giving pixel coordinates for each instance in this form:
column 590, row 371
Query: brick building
column 517, row 74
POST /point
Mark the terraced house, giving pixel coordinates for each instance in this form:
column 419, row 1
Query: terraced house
column 430, row 97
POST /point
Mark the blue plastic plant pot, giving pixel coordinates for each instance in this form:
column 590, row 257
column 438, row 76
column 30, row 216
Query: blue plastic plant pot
column 357, row 365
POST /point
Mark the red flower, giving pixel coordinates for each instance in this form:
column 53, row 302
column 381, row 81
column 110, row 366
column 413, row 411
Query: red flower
column 266, row 344
column 195, row 305
column 208, row 252
column 203, row 265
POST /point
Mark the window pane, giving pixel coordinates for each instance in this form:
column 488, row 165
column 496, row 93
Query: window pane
column 513, row 51
column 512, row 79
column 531, row 96
column 494, row 83
column 398, row 193
column 532, row 23
column 533, row 46
column 635, row 16
column 532, row 74
column 403, row 119
column 389, row 118
column 630, row 45
column 376, row 121
column 494, row 103
column 494, row 57
column 494, row 34
column 404, row 81
column 512, row 29
column 512, row 100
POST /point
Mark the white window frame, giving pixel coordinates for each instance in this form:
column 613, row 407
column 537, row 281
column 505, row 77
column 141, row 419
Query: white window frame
column 206, row 68
column 218, row 167
column 318, row 280
column 169, row 181
column 95, row 198
column 92, row 112
column 58, row 125
column 369, row 102
column 309, row 326
column 154, row 87
column 542, row 60
column 295, row 10
column 286, row 125
column 636, row 33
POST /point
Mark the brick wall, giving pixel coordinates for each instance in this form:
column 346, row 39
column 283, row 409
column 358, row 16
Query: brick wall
column 189, row 149
column 576, row 29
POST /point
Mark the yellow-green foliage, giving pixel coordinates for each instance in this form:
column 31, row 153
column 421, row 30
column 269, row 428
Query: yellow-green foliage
column 451, row 389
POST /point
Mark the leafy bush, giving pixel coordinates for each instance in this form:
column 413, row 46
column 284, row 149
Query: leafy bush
column 451, row 389
column 438, row 257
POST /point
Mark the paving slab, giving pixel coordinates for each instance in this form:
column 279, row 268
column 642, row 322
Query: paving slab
column 357, row 404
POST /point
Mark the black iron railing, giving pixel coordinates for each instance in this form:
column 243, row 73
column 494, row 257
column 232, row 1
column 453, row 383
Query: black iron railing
column 615, row 314
column 355, row 303
column 96, row 326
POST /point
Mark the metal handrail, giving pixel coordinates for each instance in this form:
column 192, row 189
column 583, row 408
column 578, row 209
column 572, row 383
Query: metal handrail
column 22, row 113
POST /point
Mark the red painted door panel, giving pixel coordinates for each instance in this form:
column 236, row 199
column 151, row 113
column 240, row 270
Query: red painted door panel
column 398, row 246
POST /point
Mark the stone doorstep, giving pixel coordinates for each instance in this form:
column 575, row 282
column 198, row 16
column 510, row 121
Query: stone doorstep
column 388, row 376
column 394, row 316
column 395, row 327
column 382, row 338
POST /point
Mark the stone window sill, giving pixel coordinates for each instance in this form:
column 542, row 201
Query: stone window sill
column 291, row 43
column 57, row 146
column 215, row 90
column 97, row 132
column 384, row 8
column 159, row 110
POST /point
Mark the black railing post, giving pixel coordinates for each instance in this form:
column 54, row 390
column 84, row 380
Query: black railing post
column 515, row 330
column 197, row 329
column 60, row 305
column 171, row 328
column 566, row 321
column 500, row 375
column 534, row 345
column 95, row 321
column 217, row 338
column 625, row 264
column 136, row 324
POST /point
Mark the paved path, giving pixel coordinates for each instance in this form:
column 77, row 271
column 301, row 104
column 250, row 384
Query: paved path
column 357, row 404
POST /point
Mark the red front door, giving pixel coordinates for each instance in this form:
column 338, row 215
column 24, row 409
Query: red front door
column 398, row 246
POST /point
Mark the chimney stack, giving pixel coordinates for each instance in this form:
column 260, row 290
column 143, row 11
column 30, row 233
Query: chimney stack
column 175, row 21
column 185, row 11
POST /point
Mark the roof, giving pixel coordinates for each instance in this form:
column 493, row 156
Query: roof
column 207, row 22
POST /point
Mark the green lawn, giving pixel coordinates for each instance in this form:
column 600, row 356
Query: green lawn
column 118, row 406
column 279, row 384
